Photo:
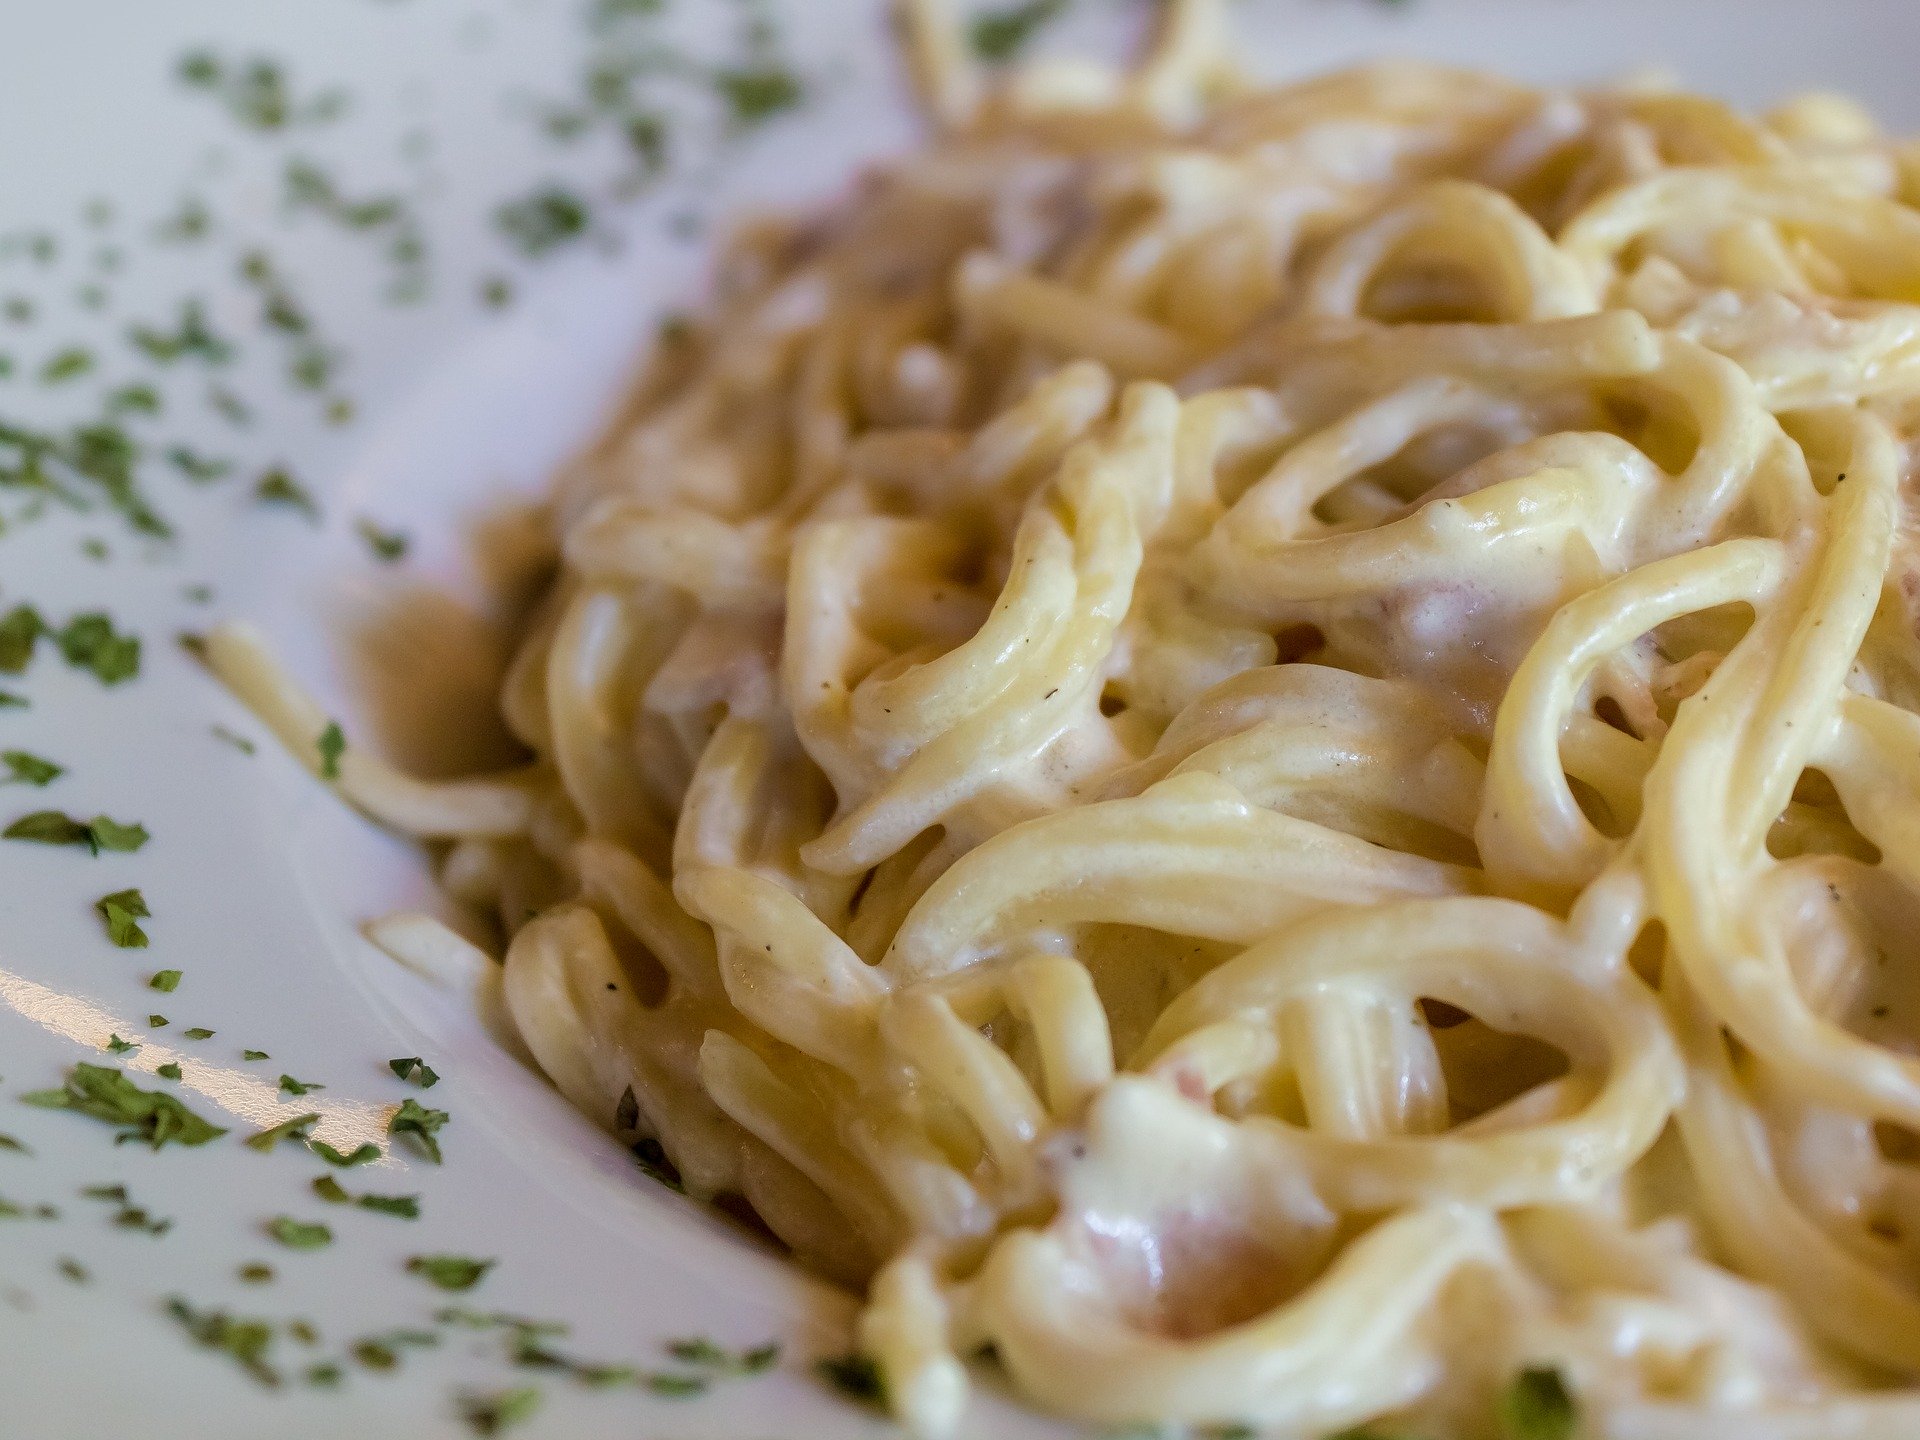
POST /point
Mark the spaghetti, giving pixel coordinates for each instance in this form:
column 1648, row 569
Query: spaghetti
column 1261, row 747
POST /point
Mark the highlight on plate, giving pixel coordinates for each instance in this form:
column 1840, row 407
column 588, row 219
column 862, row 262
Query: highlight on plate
column 1257, row 753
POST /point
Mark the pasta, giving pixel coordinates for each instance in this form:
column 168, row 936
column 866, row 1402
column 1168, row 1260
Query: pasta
column 1259, row 749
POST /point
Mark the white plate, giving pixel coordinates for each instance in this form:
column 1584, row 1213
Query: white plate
column 257, row 879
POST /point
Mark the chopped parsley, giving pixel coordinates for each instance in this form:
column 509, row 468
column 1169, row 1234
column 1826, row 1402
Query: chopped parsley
column 415, row 1071
column 191, row 337
column 89, row 642
column 703, row 1352
column 11, row 701
column 308, row 187
column 192, row 221
column 168, row 1071
column 121, row 1047
column 7, row 1142
column 450, row 1272
column 10, row 1211
column 249, row 1342
column 1000, row 35
column 134, row 400
column 387, row 546
column 238, row 742
column 26, row 769
column 288, row 1085
column 255, row 1273
column 20, row 628
column 293, row 1129
column 123, row 911
column 229, row 406
column 855, row 1376
column 165, row 981
column 256, row 92
column 421, row 1124
column 654, row 1164
column 198, row 1032
column 382, row 1352
column 158, row 1021
column 755, row 94
column 277, row 487
column 51, row 827
column 196, row 467
column 493, row 1414
column 403, row 1207
column 299, row 1234
column 128, row 1216
column 106, row 1094
column 543, row 221
column 332, row 744
column 406, row 1207
column 1538, row 1406
column 251, row 1055
column 361, row 1154
column 68, row 364
column 73, row 1270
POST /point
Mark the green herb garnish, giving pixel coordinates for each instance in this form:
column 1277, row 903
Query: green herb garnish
column 168, row 1071
column 855, row 1376
column 332, row 744
column 191, row 337
column 701, row 1351
column 89, row 642
column 26, row 769
column 68, row 364
column 121, row 1047
column 293, row 1129
column 1538, row 1406
column 198, row 1032
column 388, row 546
column 128, row 1216
column 251, row 1055
column 543, row 221
column 123, row 911
column 247, row 1341
column 20, row 627
column 406, row 1207
column 134, row 400
column 238, row 742
column 288, row 1085
column 755, row 94
column 998, row 36
column 361, row 1154
column 148, row 1115
column 255, row 1273
column 51, row 827
column 165, row 981
column 415, row 1071
column 450, row 1272
column 277, row 487
column 423, row 1125
column 492, row 1414
column 199, row 468
column 299, row 1234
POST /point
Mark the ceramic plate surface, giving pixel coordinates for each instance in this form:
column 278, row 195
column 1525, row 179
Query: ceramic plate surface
column 335, row 219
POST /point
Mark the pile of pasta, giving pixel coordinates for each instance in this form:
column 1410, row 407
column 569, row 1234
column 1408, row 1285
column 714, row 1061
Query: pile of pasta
column 1259, row 749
